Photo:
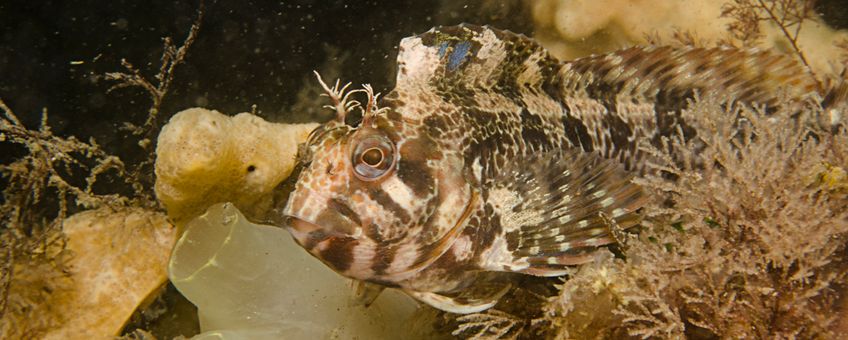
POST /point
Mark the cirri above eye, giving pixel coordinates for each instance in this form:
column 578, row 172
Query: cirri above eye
column 373, row 157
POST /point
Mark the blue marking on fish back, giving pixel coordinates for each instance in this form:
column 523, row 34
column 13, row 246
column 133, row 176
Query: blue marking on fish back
column 460, row 51
column 442, row 49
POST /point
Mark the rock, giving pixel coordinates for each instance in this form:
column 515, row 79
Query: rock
column 119, row 261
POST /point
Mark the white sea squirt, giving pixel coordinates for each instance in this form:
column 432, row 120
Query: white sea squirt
column 253, row 282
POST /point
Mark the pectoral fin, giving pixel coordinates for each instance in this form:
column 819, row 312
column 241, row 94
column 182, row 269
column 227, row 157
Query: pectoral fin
column 466, row 301
column 366, row 293
column 556, row 209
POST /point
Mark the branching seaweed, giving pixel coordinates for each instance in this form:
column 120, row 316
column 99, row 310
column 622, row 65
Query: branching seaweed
column 750, row 249
column 50, row 161
column 40, row 191
column 56, row 176
column 172, row 56
column 788, row 15
column 491, row 324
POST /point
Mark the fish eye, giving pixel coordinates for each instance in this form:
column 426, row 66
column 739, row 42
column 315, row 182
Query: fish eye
column 373, row 157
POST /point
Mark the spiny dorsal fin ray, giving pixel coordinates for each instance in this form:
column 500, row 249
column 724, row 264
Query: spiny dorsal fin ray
column 557, row 208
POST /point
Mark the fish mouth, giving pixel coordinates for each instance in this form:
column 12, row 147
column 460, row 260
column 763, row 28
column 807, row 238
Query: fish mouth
column 306, row 233
column 299, row 225
column 309, row 234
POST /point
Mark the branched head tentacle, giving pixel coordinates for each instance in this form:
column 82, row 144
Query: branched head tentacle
column 371, row 109
column 340, row 97
column 342, row 104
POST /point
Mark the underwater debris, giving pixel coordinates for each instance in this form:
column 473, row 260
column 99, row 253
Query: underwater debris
column 830, row 177
column 138, row 334
column 831, row 172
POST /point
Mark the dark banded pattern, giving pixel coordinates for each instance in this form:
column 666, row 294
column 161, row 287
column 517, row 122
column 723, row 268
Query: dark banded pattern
column 506, row 160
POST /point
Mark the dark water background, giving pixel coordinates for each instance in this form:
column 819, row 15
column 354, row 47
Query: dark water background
column 248, row 52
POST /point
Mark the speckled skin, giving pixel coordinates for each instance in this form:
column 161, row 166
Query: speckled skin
column 503, row 159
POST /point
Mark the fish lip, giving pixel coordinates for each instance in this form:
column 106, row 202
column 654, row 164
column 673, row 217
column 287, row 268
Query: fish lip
column 291, row 217
column 303, row 230
column 308, row 234
column 299, row 225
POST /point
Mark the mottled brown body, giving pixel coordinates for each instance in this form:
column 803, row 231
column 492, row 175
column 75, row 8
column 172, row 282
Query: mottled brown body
column 491, row 158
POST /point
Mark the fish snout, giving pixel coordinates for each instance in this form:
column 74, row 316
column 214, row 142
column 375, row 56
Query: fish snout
column 329, row 224
column 306, row 233
column 299, row 225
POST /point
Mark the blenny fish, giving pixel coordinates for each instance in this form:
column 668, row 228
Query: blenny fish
column 491, row 159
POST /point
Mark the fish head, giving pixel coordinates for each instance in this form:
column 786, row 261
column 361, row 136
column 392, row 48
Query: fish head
column 378, row 202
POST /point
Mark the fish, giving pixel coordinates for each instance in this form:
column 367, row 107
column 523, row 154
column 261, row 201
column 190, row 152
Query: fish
column 491, row 159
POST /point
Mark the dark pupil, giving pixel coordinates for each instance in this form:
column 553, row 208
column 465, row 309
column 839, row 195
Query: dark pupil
column 372, row 157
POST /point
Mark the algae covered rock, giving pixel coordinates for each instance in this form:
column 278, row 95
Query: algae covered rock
column 204, row 157
column 119, row 261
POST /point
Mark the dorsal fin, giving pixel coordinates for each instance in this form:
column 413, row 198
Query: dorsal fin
column 454, row 58
column 606, row 103
column 746, row 75
column 481, row 57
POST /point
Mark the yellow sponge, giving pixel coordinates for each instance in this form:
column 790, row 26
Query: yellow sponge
column 204, row 157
